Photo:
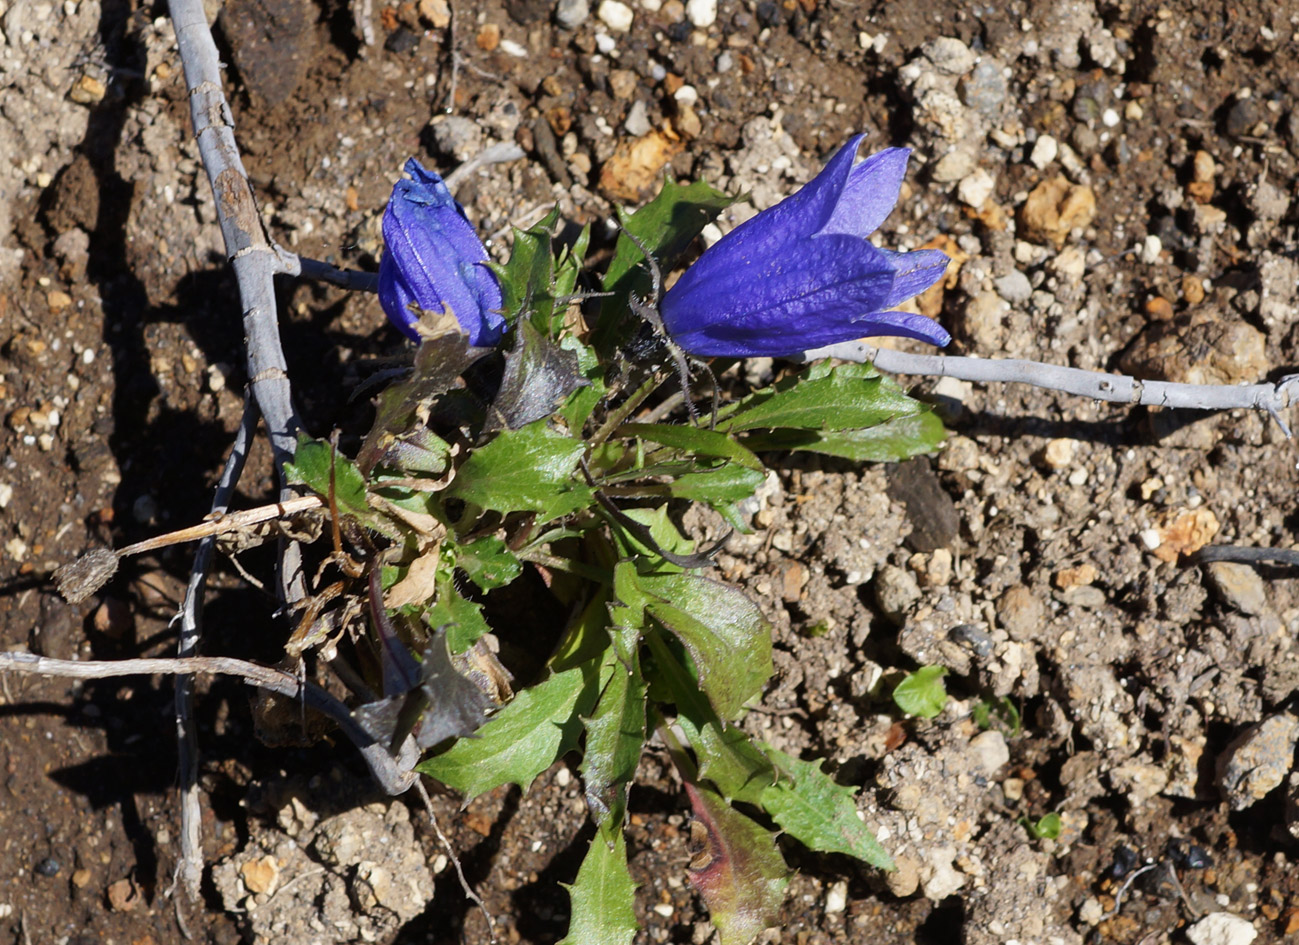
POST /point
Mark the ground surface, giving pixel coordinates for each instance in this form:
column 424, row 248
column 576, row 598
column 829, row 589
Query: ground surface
column 1117, row 182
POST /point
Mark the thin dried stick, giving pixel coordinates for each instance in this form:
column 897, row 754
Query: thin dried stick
column 189, row 867
column 451, row 852
column 1097, row 385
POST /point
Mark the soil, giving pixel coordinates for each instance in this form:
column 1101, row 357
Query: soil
column 1117, row 182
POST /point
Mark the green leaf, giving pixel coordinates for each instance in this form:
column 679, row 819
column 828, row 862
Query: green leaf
column 603, row 893
column 744, row 881
column 662, row 531
column 819, row 813
column 726, row 635
column 488, row 562
column 847, row 397
column 529, row 469
column 695, row 440
column 311, row 467
column 922, row 692
column 462, row 617
column 667, row 225
column 527, row 278
column 893, row 440
column 523, row 739
column 1001, row 715
column 615, row 736
column 720, row 487
column 726, row 756
column 1046, row 828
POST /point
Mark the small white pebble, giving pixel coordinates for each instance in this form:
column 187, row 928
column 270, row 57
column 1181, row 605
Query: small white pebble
column 605, row 43
column 1222, row 928
column 664, row 909
column 1045, row 149
column 1151, row 247
column 836, row 900
column 615, row 15
column 1110, row 118
column 6, row 494
column 686, row 95
column 563, row 777
column 88, row 356
column 511, row 48
column 1150, row 538
column 975, row 189
column 1078, row 477
column 701, row 13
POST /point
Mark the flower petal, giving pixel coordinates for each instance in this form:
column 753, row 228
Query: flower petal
column 797, row 217
column 810, row 295
column 870, row 194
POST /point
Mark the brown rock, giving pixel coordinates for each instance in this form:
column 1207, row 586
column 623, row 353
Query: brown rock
column 1080, row 576
column 88, row 91
column 437, row 12
column 1020, row 613
column 261, row 876
column 123, row 895
column 1202, row 170
column 1258, row 761
column 1055, row 207
column 1200, row 347
column 1238, row 585
column 489, row 37
column 272, row 43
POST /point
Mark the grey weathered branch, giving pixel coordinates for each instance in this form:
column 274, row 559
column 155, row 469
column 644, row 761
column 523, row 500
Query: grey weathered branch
column 395, row 776
column 1098, row 385
column 255, row 259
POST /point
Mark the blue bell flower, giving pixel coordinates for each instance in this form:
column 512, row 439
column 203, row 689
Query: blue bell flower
column 802, row 274
column 433, row 265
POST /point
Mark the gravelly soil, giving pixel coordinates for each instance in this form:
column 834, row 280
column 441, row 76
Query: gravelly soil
column 1116, row 182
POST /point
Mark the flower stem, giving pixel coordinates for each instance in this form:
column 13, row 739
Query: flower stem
column 624, row 410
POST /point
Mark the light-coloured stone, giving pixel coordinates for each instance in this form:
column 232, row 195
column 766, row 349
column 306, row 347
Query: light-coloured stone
column 1239, row 586
column 1222, row 928
column 975, row 189
column 701, row 13
column 1045, row 148
column 989, row 752
column 615, row 15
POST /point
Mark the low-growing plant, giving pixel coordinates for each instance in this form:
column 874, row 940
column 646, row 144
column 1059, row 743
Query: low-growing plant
column 551, row 462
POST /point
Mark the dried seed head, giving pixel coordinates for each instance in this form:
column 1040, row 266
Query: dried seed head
column 90, row 572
